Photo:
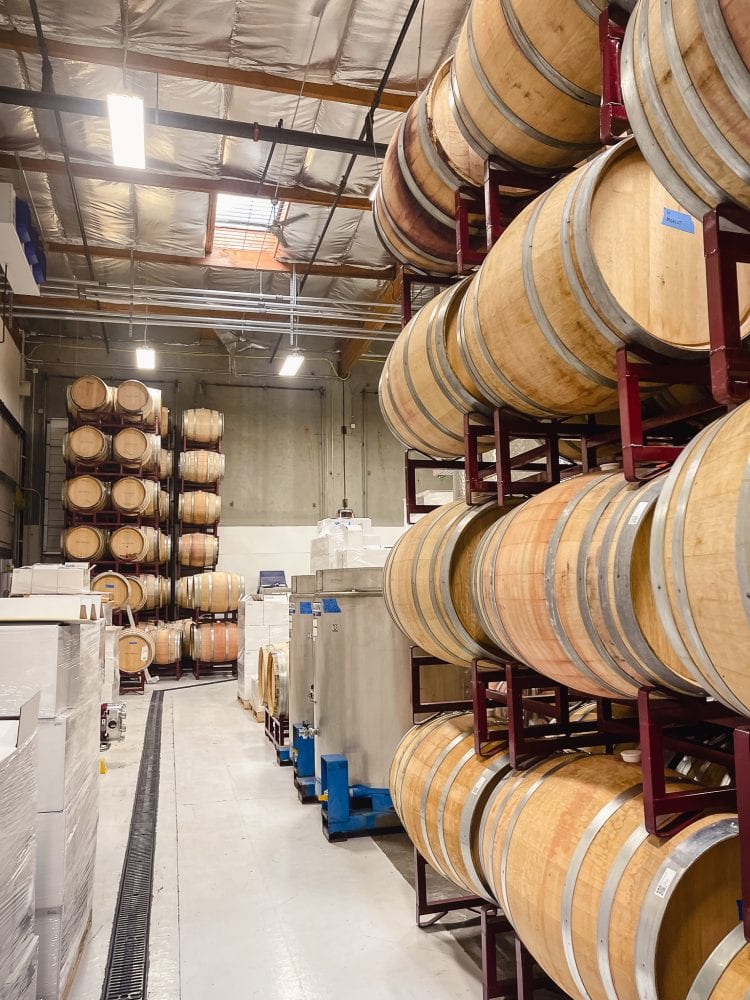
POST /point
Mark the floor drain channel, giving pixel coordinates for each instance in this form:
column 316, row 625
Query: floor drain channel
column 126, row 974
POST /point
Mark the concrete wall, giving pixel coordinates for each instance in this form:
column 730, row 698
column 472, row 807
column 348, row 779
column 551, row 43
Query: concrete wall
column 283, row 442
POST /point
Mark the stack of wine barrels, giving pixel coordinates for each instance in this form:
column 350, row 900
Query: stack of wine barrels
column 118, row 504
column 210, row 595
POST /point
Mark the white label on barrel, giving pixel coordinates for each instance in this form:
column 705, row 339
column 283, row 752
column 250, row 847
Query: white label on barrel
column 144, row 654
column 665, row 881
column 639, row 511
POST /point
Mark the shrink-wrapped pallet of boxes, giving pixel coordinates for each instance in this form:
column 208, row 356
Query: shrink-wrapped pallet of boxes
column 262, row 621
column 65, row 663
column 18, row 805
column 346, row 543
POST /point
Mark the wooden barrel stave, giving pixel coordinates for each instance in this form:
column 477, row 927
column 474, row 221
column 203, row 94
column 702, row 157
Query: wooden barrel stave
column 167, row 643
column 215, row 642
column 136, row 449
column 278, row 681
column 199, row 507
column 131, row 495
column 135, row 400
column 725, row 975
column 215, row 591
column 89, row 397
column 202, row 426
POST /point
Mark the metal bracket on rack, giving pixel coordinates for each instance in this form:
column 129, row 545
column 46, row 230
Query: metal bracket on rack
column 613, row 118
column 419, row 660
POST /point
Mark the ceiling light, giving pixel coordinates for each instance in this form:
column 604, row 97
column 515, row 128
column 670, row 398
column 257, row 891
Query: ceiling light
column 292, row 364
column 126, row 130
column 145, row 357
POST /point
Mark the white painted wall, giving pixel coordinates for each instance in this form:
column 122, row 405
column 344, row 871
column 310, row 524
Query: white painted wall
column 10, row 374
column 247, row 549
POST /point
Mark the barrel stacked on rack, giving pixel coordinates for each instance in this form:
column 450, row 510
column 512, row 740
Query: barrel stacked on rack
column 211, row 597
column 117, row 500
column 600, row 584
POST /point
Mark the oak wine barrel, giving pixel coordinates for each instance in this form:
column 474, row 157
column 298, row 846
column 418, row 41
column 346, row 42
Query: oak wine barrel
column 135, row 400
column 202, row 466
column 84, row 543
column 86, row 445
column 278, row 681
column 440, row 789
column 185, row 627
column 578, row 294
column 199, row 507
column 426, row 583
column 425, row 388
column 136, row 449
column 167, row 643
column 89, row 397
column 137, row 597
column 135, row 650
column 133, row 544
column 427, row 161
column 164, row 505
column 164, row 419
column 155, row 589
column 198, row 550
column 184, row 592
column 686, row 81
column 131, row 495
column 201, row 426
column 725, row 975
column 212, row 591
column 166, row 461
column 114, row 586
column 604, row 908
column 215, row 642
column 563, row 584
column 698, row 544
column 85, row 494
column 537, row 105
column 265, row 654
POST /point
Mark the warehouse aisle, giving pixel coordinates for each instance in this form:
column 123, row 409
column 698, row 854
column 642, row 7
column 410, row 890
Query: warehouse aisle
column 249, row 899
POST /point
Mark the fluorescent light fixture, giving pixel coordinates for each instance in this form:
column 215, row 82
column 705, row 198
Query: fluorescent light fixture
column 126, row 130
column 145, row 357
column 292, row 364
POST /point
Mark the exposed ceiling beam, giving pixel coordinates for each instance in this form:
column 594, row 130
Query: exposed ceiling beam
column 243, row 260
column 228, row 75
column 220, row 184
column 253, row 131
column 353, row 350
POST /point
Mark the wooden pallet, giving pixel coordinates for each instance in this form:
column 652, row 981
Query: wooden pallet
column 79, row 955
column 259, row 717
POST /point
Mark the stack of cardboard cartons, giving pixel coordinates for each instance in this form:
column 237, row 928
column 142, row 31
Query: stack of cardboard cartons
column 18, row 805
column 262, row 621
column 346, row 543
column 65, row 663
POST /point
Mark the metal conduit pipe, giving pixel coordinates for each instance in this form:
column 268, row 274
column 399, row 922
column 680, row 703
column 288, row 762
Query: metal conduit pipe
column 194, row 322
column 253, row 131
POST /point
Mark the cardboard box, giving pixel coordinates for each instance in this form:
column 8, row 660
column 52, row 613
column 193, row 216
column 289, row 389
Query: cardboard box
column 256, row 636
column 51, row 608
column 278, row 634
column 64, row 842
column 47, row 578
column 68, row 749
column 276, row 611
column 41, row 658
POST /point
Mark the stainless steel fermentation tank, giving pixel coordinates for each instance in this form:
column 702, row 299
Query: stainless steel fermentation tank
column 362, row 697
column 301, row 665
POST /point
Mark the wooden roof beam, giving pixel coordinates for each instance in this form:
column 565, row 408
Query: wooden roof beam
column 220, row 184
column 243, row 260
column 101, row 55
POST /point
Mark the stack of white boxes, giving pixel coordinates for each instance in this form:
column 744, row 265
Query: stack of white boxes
column 65, row 663
column 346, row 543
column 262, row 621
column 18, row 804
column 111, row 682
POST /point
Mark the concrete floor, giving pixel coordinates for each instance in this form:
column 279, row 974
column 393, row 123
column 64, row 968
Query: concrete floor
column 249, row 898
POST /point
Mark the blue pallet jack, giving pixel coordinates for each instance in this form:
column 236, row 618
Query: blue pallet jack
column 277, row 732
column 303, row 760
column 352, row 810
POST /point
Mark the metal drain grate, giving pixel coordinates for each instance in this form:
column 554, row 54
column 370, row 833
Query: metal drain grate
column 126, row 974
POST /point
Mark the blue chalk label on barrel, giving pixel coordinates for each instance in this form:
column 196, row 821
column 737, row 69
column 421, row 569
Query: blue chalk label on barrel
column 305, row 607
column 678, row 220
column 331, row 606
